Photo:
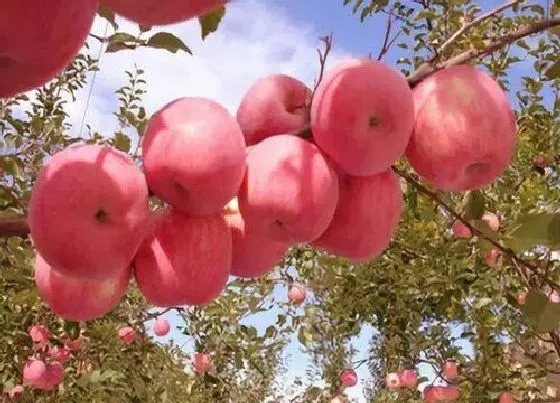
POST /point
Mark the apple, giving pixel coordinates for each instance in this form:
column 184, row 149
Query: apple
column 441, row 393
column 202, row 362
column 40, row 335
column 161, row 327
column 60, row 354
column 53, row 376
column 506, row 397
column 465, row 129
column 33, row 371
column 14, row 392
column 450, row 370
column 127, row 335
column 296, row 294
column 186, row 261
column 522, row 299
column 161, row 12
column 460, row 230
column 554, row 297
column 89, row 212
column 492, row 257
column 290, row 191
column 39, row 39
column 274, row 104
column 492, row 220
column 362, row 116
column 194, row 155
column 408, row 378
column 348, row 378
column 393, row 381
column 366, row 218
column 253, row 255
column 76, row 298
column 540, row 160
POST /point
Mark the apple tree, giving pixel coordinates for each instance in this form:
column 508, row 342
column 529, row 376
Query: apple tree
column 432, row 231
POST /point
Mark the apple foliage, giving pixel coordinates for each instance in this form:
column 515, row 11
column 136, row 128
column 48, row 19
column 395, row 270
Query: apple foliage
column 425, row 297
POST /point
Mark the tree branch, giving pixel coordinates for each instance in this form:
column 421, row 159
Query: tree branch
column 14, row 226
column 474, row 22
column 491, row 45
column 448, row 209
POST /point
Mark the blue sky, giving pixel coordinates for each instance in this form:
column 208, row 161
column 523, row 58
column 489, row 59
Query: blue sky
column 255, row 39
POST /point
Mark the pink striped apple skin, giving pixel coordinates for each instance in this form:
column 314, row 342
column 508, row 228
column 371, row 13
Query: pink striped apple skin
column 465, row 129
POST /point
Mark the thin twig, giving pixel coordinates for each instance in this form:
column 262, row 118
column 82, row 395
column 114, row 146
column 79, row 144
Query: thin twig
column 385, row 47
column 327, row 41
column 475, row 22
column 492, row 45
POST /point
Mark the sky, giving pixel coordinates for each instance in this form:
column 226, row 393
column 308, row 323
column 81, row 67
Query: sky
column 256, row 38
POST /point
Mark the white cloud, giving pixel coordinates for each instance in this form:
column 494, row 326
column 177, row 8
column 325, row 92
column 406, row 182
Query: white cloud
column 254, row 40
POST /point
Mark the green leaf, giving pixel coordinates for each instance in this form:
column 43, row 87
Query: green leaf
column 531, row 230
column 167, row 41
column 121, row 37
column 122, row 142
column 553, row 71
column 475, row 205
column 209, row 22
column 542, row 314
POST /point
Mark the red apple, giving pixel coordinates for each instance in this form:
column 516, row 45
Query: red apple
column 362, row 116
column 522, row 299
column 460, row 230
column 162, row 12
column 450, row 370
column 161, row 327
column 53, row 376
column 202, row 362
column 275, row 104
column 506, row 397
column 253, row 255
column 89, row 211
column 393, row 381
column 348, row 378
column 127, row 335
column 79, row 299
column 296, row 294
column 492, row 257
column 441, row 393
column 34, row 371
column 492, row 220
column 40, row 335
column 186, row 261
column 554, row 297
column 15, row 392
column 54, row 33
column 290, row 190
column 60, row 354
column 408, row 378
column 366, row 218
column 465, row 129
column 194, row 155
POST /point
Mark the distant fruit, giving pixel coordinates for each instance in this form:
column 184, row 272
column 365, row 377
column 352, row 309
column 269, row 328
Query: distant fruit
column 161, row 327
column 492, row 220
column 393, row 382
column 408, row 378
column 460, row 230
column 202, row 362
column 296, row 294
column 450, row 370
column 127, row 335
column 33, row 371
column 348, row 378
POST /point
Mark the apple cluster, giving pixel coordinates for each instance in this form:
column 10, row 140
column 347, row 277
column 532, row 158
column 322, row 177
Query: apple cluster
column 291, row 167
column 39, row 39
column 44, row 370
